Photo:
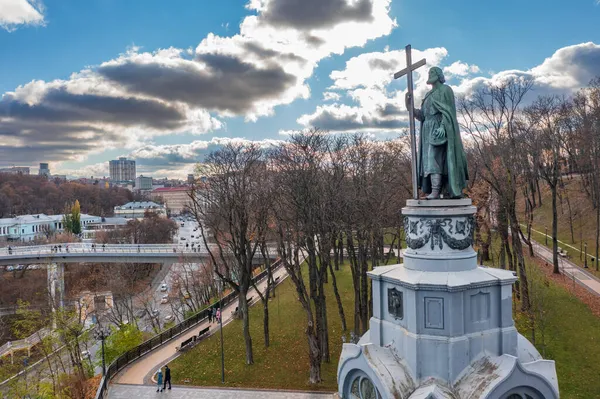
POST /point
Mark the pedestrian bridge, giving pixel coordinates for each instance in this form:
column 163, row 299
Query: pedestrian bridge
column 106, row 253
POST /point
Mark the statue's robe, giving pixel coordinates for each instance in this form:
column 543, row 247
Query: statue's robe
column 439, row 109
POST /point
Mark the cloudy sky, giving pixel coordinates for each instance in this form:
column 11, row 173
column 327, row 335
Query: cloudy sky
column 82, row 82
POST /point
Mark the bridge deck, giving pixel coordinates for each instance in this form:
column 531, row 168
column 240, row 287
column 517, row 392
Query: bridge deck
column 103, row 253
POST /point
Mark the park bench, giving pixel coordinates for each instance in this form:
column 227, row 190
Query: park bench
column 192, row 341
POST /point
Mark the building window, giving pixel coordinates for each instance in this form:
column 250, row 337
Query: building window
column 363, row 388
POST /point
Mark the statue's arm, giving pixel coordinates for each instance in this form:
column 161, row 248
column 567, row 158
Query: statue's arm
column 417, row 113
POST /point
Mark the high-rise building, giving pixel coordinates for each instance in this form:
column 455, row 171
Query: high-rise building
column 122, row 169
column 44, row 170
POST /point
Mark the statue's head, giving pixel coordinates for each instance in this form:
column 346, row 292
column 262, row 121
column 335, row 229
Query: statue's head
column 435, row 75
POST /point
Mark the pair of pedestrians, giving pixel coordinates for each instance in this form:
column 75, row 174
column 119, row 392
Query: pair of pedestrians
column 161, row 386
column 214, row 314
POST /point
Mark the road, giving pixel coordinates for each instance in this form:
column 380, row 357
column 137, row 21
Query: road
column 568, row 268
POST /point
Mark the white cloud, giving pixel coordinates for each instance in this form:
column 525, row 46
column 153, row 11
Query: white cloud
column 331, row 96
column 459, row 68
column 20, row 12
column 126, row 101
column 378, row 103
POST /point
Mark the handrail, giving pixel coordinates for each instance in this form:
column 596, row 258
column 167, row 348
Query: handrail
column 88, row 248
column 133, row 354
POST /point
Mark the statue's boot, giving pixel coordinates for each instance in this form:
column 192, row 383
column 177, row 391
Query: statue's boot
column 436, row 186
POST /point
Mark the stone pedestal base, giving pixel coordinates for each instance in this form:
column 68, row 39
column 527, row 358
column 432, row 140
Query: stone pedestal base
column 442, row 327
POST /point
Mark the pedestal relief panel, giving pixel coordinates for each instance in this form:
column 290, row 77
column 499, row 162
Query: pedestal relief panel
column 440, row 234
column 434, row 313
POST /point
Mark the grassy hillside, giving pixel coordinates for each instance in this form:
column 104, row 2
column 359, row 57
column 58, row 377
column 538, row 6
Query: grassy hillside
column 582, row 214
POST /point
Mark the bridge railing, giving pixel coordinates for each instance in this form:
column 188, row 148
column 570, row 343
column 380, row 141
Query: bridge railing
column 89, row 248
column 158, row 340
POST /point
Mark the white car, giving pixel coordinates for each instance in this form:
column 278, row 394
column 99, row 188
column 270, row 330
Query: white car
column 169, row 317
column 163, row 287
column 154, row 312
column 164, row 299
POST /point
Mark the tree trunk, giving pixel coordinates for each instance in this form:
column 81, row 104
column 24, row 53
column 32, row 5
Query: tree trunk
column 518, row 251
column 539, row 192
column 266, row 321
column 597, row 233
column 553, row 189
column 243, row 305
column 314, row 355
column 338, row 299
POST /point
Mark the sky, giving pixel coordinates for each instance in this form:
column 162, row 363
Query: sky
column 165, row 83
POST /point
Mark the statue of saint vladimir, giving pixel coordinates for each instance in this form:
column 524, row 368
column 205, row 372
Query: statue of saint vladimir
column 441, row 162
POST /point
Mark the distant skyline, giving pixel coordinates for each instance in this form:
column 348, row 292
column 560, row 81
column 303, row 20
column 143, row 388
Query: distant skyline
column 164, row 83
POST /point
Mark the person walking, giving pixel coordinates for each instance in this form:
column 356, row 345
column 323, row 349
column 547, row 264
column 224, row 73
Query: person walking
column 167, row 377
column 214, row 313
column 210, row 316
column 159, row 380
column 219, row 315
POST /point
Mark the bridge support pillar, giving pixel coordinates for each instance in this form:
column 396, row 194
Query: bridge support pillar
column 56, row 284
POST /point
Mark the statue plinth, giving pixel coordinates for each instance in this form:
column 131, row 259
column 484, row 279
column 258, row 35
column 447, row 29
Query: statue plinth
column 442, row 326
column 439, row 235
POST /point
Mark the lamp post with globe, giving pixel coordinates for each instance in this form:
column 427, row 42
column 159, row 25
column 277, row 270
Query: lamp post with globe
column 101, row 333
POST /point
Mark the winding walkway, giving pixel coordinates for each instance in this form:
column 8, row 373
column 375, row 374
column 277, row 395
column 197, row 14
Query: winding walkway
column 140, row 372
column 120, row 391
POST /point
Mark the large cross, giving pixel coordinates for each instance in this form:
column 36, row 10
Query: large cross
column 413, row 142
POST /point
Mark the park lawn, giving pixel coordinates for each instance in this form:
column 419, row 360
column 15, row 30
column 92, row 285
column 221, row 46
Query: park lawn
column 583, row 215
column 284, row 365
column 571, row 336
column 571, row 332
column 571, row 339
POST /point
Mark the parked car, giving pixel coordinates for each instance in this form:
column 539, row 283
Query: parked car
column 85, row 354
column 164, row 299
column 169, row 317
column 154, row 312
column 182, row 238
column 164, row 287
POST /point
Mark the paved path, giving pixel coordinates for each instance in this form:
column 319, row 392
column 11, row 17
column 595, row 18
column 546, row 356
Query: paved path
column 140, row 371
column 119, row 391
column 570, row 269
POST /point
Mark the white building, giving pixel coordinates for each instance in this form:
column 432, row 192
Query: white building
column 29, row 227
column 143, row 183
column 137, row 209
column 104, row 225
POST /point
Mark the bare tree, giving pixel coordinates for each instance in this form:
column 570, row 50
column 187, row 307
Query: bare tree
column 491, row 117
column 546, row 116
column 227, row 207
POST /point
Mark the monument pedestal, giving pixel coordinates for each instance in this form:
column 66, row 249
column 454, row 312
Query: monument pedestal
column 442, row 326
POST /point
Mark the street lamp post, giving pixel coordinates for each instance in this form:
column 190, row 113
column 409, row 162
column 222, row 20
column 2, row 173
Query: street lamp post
column 221, row 290
column 221, row 325
column 585, row 256
column 101, row 333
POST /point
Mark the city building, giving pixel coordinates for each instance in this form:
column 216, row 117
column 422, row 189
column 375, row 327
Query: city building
column 16, row 170
column 102, row 225
column 122, row 169
column 137, row 209
column 29, row 227
column 44, row 170
column 143, row 183
column 176, row 199
column 190, row 179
